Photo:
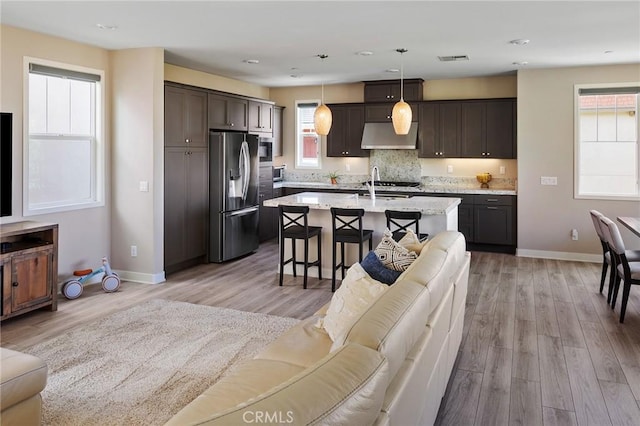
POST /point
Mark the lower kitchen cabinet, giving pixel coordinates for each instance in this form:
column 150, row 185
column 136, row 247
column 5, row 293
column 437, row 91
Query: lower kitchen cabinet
column 186, row 207
column 493, row 220
column 268, row 227
column 465, row 217
column 28, row 267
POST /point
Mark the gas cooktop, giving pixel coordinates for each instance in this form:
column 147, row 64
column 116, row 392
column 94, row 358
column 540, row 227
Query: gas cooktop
column 392, row 183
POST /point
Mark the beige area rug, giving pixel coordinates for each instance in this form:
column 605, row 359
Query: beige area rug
column 142, row 365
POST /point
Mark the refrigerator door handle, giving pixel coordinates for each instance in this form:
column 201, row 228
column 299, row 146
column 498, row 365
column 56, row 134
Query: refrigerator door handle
column 243, row 211
column 245, row 168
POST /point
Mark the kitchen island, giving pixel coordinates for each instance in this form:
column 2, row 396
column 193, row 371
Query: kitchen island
column 438, row 214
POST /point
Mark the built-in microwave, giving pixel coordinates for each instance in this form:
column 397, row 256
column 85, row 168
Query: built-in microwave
column 265, row 150
column 278, row 173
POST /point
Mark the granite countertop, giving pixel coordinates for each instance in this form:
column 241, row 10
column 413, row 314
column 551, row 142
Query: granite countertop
column 326, row 200
column 443, row 189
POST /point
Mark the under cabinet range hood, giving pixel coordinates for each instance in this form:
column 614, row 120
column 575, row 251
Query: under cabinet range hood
column 382, row 136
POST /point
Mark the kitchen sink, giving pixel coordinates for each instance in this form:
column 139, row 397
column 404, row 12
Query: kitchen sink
column 387, row 196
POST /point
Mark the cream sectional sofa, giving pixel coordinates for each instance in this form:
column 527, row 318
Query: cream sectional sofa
column 391, row 367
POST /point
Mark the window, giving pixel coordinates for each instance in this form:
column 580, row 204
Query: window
column 307, row 140
column 64, row 153
column 607, row 157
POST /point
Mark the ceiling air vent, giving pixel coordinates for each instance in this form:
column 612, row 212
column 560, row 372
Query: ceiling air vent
column 453, row 58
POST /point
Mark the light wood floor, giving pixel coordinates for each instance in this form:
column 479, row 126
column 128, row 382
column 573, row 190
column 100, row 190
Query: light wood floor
column 540, row 344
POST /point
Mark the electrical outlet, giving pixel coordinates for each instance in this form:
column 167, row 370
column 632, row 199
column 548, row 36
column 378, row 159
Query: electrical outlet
column 548, row 180
column 574, row 234
column 449, row 168
column 134, row 251
column 503, row 170
column 347, row 167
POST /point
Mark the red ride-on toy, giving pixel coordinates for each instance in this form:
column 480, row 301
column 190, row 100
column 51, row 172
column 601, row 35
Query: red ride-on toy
column 72, row 289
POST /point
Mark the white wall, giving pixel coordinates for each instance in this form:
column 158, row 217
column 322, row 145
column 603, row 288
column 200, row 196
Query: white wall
column 84, row 235
column 138, row 147
column 546, row 214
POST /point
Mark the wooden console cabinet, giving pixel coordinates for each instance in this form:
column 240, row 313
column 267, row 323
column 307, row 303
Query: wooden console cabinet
column 28, row 267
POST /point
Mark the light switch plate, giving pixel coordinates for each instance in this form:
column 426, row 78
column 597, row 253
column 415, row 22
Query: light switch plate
column 548, row 180
column 144, row 186
column 449, row 168
column 503, row 170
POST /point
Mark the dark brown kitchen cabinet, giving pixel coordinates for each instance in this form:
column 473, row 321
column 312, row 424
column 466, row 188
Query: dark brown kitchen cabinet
column 268, row 226
column 277, row 130
column 186, row 207
column 28, row 267
column 228, row 112
column 389, row 90
column 345, row 137
column 381, row 113
column 493, row 221
column 185, row 117
column 439, row 130
column 465, row 217
column 488, row 129
column 260, row 117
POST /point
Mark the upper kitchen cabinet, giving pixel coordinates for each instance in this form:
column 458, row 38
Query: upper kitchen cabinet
column 488, row 129
column 228, row 112
column 345, row 137
column 260, row 117
column 381, row 113
column 277, row 130
column 439, row 130
column 185, row 117
column 389, row 90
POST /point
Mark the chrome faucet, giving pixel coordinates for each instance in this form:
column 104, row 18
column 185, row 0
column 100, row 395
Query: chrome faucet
column 375, row 173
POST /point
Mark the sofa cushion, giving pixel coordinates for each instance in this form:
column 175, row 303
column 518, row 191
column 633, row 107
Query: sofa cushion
column 21, row 377
column 356, row 293
column 301, row 345
column 346, row 387
column 393, row 255
column 377, row 270
column 411, row 242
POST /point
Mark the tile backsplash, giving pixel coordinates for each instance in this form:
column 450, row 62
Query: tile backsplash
column 397, row 164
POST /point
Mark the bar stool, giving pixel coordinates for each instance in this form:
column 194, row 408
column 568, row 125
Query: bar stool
column 347, row 228
column 402, row 220
column 294, row 225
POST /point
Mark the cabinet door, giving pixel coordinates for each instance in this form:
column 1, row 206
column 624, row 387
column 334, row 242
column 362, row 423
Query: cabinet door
column 500, row 142
column 175, row 200
column 472, row 142
column 277, row 131
column 31, row 279
column 378, row 113
column 449, row 129
column 465, row 221
column 428, row 141
column 412, row 91
column 377, row 93
column 197, row 131
column 197, row 204
column 336, row 139
column 266, row 227
column 218, row 112
column 493, row 225
column 355, row 127
column 237, row 113
column 174, row 116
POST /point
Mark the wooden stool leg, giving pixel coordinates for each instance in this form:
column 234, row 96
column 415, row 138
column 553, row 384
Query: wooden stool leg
column 342, row 259
column 333, row 268
column 319, row 257
column 282, row 241
column 306, row 262
column 293, row 254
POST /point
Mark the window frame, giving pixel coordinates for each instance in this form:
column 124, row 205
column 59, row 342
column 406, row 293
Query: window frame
column 97, row 148
column 577, row 144
column 298, row 140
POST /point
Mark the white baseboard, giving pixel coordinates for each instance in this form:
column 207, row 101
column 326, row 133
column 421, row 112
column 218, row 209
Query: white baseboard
column 139, row 277
column 560, row 255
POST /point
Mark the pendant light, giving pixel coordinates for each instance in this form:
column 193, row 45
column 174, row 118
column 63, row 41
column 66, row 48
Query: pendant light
column 401, row 114
column 322, row 117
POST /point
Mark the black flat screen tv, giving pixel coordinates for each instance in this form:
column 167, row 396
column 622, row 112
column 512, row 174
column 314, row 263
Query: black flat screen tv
column 6, row 131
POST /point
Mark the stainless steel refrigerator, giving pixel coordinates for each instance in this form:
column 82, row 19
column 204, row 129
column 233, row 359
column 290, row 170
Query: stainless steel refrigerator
column 233, row 195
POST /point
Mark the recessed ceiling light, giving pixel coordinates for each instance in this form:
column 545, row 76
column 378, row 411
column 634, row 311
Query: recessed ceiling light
column 521, row 63
column 608, row 51
column 392, row 70
column 106, row 27
column 364, row 53
column 519, row 41
column 251, row 61
column 296, row 75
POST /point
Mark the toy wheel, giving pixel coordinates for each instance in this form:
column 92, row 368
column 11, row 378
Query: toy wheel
column 111, row 283
column 72, row 289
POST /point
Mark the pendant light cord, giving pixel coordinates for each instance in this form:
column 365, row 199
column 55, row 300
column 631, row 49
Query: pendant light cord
column 401, row 52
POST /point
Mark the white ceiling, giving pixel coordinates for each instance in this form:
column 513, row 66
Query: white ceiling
column 286, row 36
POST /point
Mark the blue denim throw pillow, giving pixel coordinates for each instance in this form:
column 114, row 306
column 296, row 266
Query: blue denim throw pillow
column 376, row 270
